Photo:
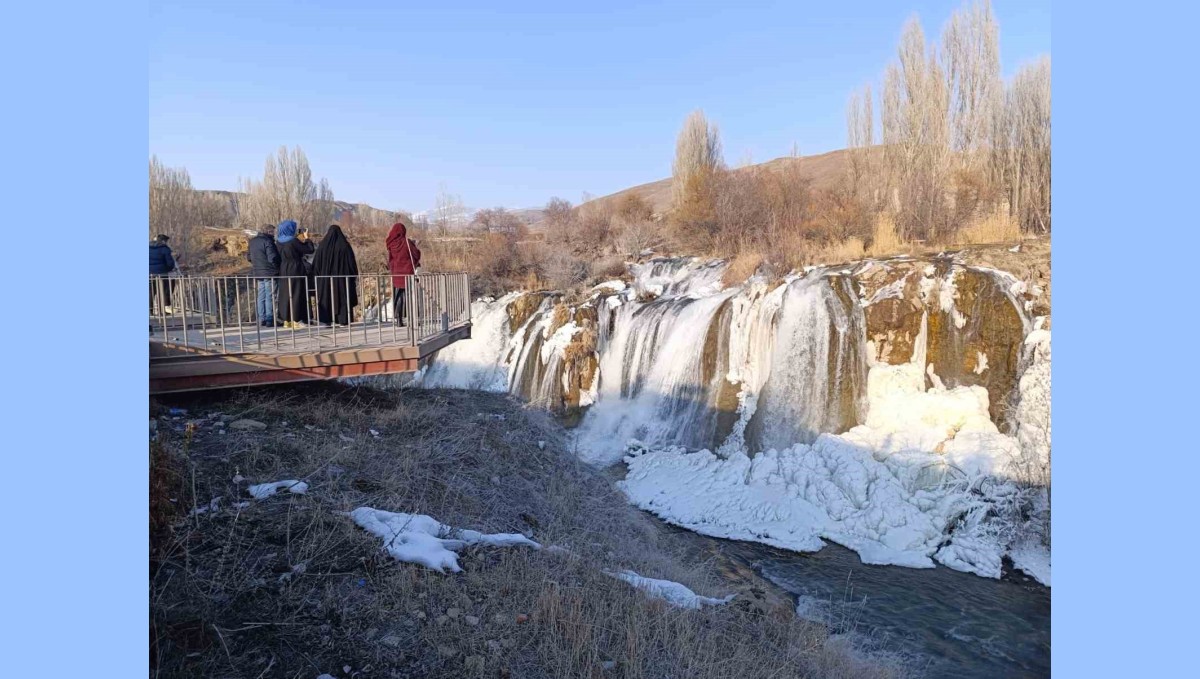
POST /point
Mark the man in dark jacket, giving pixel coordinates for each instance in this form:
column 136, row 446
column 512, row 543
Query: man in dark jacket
column 264, row 265
column 162, row 263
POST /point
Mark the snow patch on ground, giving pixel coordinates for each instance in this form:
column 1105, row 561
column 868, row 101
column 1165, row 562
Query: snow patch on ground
column 672, row 592
column 265, row 490
column 423, row 540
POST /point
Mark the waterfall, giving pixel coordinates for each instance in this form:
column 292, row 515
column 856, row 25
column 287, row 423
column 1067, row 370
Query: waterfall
column 673, row 357
column 656, row 380
column 868, row 404
column 818, row 365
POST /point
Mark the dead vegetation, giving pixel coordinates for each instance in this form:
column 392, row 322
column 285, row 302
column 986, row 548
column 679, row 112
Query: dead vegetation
column 288, row 586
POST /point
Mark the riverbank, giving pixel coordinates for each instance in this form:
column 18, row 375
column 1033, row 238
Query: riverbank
column 288, row 585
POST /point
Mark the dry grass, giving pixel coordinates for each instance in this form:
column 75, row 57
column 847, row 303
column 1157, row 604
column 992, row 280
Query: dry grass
column 289, row 587
column 992, row 228
column 885, row 240
column 835, row 253
column 742, row 267
column 562, row 314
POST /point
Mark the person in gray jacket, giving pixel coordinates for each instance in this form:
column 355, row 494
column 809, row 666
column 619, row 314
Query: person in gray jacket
column 264, row 265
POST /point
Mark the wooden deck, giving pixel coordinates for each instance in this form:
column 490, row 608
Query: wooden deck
column 250, row 355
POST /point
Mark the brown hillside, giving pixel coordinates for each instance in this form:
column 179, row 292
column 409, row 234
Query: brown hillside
column 824, row 169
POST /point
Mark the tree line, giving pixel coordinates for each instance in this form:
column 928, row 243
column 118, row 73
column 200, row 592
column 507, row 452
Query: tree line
column 944, row 150
column 947, row 152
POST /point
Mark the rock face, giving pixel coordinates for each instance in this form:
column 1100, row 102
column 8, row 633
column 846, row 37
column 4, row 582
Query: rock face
column 974, row 319
column 760, row 365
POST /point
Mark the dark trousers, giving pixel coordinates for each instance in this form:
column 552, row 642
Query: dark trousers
column 159, row 284
column 398, row 306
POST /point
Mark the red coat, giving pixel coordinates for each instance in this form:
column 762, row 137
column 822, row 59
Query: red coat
column 403, row 255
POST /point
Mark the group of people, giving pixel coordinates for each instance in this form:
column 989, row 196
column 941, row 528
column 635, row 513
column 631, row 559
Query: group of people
column 289, row 266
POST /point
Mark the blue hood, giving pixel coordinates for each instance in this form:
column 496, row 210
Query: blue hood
column 286, row 231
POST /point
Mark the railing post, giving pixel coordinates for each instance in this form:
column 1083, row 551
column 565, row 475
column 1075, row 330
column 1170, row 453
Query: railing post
column 443, row 303
column 412, row 308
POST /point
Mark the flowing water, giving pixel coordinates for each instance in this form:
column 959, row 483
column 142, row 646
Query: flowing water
column 955, row 624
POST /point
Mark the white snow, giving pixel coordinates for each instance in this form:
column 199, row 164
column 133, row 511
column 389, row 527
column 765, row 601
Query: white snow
column 893, row 289
column 920, row 469
column 1033, row 558
column 1033, row 408
column 609, row 286
column 672, row 592
column 265, row 490
column 981, row 363
column 423, row 540
column 557, row 343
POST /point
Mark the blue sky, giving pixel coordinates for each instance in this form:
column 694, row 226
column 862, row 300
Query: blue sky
column 512, row 105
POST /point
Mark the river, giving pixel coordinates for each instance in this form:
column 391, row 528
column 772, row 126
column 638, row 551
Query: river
column 955, row 624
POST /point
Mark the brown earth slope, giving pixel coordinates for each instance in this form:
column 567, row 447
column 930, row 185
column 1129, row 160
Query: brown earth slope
column 824, row 170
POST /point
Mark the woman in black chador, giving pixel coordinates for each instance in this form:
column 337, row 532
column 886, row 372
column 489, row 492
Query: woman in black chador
column 337, row 278
column 292, row 304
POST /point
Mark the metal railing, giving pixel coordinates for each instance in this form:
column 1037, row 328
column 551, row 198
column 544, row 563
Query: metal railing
column 248, row 314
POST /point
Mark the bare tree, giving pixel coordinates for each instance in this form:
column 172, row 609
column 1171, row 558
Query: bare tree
column 214, row 209
column 860, row 134
column 496, row 219
column 1022, row 157
column 287, row 191
column 954, row 140
column 634, row 228
column 449, row 213
column 915, row 117
column 697, row 161
column 559, row 220
column 971, row 49
column 173, row 207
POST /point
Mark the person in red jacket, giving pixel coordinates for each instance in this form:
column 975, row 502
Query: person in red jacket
column 403, row 259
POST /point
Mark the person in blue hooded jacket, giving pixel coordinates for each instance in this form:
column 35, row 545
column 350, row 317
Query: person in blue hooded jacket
column 162, row 263
column 292, row 300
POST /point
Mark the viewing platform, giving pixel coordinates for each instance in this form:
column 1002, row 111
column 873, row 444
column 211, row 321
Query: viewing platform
column 206, row 331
